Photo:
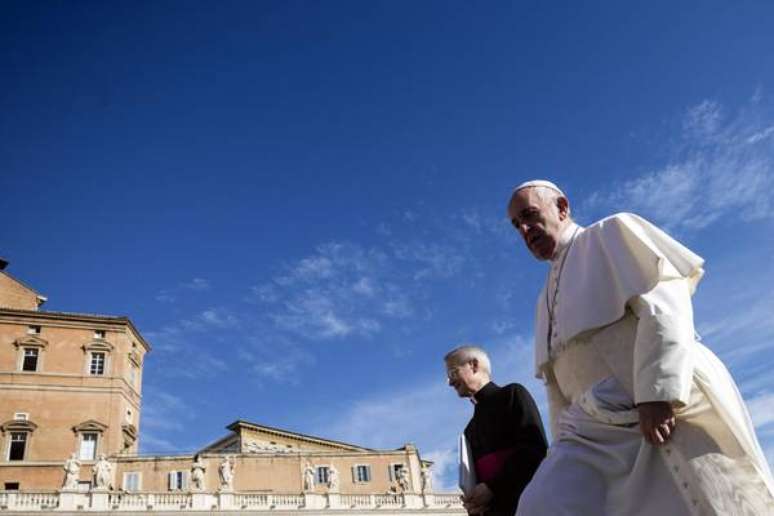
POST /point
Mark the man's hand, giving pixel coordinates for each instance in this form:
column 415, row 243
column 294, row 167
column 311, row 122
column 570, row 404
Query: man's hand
column 657, row 421
column 477, row 502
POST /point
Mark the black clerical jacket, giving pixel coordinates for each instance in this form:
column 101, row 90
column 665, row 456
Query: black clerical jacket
column 507, row 441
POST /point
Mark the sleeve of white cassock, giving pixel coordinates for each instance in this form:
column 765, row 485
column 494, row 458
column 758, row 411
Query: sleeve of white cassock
column 663, row 367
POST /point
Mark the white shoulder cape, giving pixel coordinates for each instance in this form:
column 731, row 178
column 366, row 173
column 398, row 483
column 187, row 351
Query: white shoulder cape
column 609, row 263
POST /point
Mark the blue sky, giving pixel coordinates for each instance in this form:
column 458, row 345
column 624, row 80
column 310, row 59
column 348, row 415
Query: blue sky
column 301, row 204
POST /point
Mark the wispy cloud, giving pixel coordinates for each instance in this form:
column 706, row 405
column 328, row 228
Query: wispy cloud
column 172, row 294
column 342, row 290
column 197, row 284
column 724, row 166
column 434, row 260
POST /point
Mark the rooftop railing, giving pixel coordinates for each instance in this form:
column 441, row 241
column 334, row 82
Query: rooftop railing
column 111, row 501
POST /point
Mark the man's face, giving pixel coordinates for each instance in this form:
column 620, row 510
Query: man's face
column 462, row 378
column 540, row 222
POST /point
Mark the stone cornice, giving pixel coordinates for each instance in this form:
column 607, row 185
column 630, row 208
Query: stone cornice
column 87, row 320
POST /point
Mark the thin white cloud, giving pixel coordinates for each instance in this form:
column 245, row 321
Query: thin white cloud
column 725, row 166
column 171, row 295
column 197, row 284
column 434, row 260
column 343, row 290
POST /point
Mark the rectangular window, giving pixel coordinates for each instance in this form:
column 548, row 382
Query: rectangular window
column 362, row 473
column 177, row 480
column 18, row 444
column 395, row 471
column 132, row 375
column 30, row 362
column 88, row 449
column 99, row 334
column 33, row 330
column 131, row 481
column 322, row 474
column 11, row 486
column 97, row 364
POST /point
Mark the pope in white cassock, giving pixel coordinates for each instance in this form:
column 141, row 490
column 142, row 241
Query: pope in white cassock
column 645, row 419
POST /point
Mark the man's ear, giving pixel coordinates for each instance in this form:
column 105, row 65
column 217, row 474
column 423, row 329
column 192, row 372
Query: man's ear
column 564, row 207
column 474, row 364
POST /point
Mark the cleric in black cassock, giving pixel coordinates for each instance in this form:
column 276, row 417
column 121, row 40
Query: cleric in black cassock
column 505, row 434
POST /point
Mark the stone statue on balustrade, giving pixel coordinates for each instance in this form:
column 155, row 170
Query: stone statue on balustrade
column 333, row 480
column 72, row 468
column 226, row 472
column 403, row 480
column 309, row 475
column 427, row 479
column 103, row 474
column 198, row 469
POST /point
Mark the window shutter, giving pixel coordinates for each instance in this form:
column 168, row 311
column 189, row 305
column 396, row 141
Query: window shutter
column 184, row 480
column 354, row 474
column 171, row 480
column 391, row 470
column 368, row 473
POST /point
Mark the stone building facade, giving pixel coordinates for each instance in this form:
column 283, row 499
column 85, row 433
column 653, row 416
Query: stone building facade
column 70, row 406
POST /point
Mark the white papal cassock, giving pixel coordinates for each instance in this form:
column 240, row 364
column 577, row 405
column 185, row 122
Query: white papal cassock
column 622, row 334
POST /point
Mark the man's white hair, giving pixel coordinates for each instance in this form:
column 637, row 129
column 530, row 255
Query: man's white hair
column 464, row 354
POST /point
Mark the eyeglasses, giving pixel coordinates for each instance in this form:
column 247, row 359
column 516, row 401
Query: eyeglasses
column 454, row 372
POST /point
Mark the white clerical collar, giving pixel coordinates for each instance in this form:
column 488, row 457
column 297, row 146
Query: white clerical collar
column 564, row 240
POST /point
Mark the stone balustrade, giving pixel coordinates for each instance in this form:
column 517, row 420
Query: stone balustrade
column 166, row 502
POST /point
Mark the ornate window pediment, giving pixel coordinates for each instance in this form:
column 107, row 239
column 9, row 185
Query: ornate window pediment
column 90, row 426
column 30, row 341
column 18, row 425
column 98, row 345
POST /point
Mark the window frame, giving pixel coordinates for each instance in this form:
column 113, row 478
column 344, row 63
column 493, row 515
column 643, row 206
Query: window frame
column 17, row 427
column 26, row 439
column 137, row 475
column 90, row 349
column 180, row 480
column 99, row 365
column 318, row 478
column 89, row 426
column 393, row 470
column 356, row 473
column 82, row 439
column 29, row 342
column 26, row 350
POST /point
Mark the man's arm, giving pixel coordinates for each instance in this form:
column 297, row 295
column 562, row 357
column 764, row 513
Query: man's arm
column 531, row 448
column 663, row 367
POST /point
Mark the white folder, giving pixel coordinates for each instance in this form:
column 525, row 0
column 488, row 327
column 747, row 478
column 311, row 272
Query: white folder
column 467, row 479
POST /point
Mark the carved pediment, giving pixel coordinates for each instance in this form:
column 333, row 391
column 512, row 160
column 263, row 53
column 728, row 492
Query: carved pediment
column 98, row 345
column 30, row 341
column 90, row 426
column 18, row 425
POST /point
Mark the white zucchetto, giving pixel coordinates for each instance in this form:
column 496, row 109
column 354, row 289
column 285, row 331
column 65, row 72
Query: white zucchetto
column 539, row 182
